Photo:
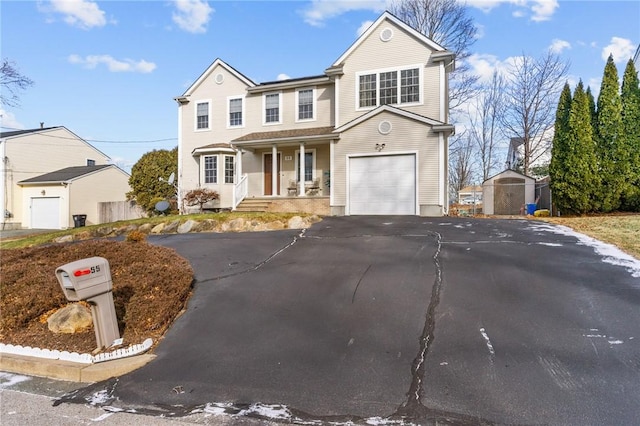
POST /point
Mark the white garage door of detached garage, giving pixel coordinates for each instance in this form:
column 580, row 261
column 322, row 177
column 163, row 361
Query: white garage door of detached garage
column 382, row 184
column 45, row 213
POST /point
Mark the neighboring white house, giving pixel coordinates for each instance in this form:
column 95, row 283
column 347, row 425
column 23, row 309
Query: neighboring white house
column 368, row 136
column 35, row 188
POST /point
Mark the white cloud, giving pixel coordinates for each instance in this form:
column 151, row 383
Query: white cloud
column 557, row 45
column 80, row 13
column 321, row 10
column 283, row 77
column 8, row 120
column 483, row 65
column 543, row 10
column 364, row 27
column 620, row 48
column 192, row 15
column 113, row 65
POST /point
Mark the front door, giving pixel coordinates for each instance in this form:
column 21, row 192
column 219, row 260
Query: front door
column 268, row 173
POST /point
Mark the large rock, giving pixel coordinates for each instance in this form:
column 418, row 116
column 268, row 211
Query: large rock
column 171, row 227
column 188, row 226
column 296, row 222
column 70, row 319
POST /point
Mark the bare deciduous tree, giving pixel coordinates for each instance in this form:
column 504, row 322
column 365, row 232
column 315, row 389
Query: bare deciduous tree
column 485, row 117
column 460, row 163
column 11, row 81
column 447, row 23
column 531, row 97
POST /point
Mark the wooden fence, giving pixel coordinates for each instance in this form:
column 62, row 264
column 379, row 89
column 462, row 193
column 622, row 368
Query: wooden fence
column 114, row 211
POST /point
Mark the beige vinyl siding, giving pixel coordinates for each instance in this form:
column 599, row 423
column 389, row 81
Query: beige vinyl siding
column 406, row 136
column 374, row 54
column 110, row 184
column 35, row 154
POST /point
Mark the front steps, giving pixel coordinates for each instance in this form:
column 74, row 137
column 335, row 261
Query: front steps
column 253, row 205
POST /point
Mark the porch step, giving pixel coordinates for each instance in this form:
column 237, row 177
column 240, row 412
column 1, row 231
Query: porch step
column 253, row 205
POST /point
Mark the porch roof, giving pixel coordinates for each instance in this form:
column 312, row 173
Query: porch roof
column 214, row 147
column 291, row 135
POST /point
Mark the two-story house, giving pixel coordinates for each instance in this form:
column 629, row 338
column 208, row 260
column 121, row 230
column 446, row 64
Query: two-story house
column 368, row 136
column 48, row 175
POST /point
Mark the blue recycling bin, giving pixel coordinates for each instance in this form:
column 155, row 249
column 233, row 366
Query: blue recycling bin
column 531, row 208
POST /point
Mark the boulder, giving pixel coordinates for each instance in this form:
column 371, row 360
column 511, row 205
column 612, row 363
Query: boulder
column 171, row 227
column 296, row 222
column 189, row 226
column 158, row 228
column 146, row 228
column 64, row 239
column 237, row 225
column 70, row 319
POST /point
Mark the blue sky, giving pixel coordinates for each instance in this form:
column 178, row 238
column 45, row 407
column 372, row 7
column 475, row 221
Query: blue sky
column 109, row 70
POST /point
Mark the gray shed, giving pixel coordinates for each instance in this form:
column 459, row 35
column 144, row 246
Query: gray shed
column 508, row 193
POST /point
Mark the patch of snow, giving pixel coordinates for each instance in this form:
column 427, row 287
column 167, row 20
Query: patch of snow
column 445, row 224
column 610, row 253
column 270, row 411
column 551, row 244
column 443, row 363
column 594, row 335
column 7, row 379
column 486, row 338
column 102, row 417
column 217, row 409
column 99, row 398
column 615, row 342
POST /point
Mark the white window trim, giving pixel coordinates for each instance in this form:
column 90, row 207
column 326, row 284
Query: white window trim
column 314, row 105
column 195, row 115
column 377, row 72
column 313, row 168
column 264, row 109
column 244, row 115
column 203, row 169
column 224, row 171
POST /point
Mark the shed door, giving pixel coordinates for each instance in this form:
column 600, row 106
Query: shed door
column 382, row 185
column 45, row 213
column 508, row 196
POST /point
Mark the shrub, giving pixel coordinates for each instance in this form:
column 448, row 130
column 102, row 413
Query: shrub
column 136, row 236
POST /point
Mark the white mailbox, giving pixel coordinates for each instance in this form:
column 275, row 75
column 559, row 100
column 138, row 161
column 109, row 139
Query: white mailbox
column 90, row 280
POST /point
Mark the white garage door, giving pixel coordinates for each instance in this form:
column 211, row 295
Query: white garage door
column 45, row 213
column 384, row 184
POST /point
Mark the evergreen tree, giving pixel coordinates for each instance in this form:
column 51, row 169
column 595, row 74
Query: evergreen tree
column 148, row 178
column 592, row 109
column 630, row 98
column 558, row 166
column 612, row 158
column 581, row 178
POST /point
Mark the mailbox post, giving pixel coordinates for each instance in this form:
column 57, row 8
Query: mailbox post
column 90, row 279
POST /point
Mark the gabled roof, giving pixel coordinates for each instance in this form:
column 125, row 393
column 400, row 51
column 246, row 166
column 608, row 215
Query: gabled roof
column 438, row 126
column 386, row 16
column 510, row 171
column 209, row 70
column 25, row 132
column 66, row 175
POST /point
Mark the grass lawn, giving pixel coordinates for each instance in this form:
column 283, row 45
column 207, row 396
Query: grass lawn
column 622, row 231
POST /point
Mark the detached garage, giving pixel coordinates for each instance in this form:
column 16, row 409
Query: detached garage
column 51, row 200
column 382, row 185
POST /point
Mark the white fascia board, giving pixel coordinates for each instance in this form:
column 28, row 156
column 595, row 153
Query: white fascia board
column 391, row 109
column 289, row 84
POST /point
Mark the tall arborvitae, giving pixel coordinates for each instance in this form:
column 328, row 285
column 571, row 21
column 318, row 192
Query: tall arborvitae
column 557, row 166
column 581, row 169
column 592, row 109
column 630, row 98
column 612, row 158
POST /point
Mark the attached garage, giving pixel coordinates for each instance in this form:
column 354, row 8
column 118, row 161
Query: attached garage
column 382, row 185
column 45, row 213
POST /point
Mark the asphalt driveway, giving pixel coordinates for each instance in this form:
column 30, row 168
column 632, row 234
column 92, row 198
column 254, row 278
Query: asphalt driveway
column 371, row 318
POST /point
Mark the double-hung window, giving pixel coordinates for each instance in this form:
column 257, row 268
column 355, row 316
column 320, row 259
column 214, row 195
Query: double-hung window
column 202, row 115
column 229, row 168
column 272, row 108
column 308, row 166
column 400, row 86
column 235, row 112
column 305, row 104
column 211, row 169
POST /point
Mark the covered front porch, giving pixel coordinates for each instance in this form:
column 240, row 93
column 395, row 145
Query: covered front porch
column 291, row 169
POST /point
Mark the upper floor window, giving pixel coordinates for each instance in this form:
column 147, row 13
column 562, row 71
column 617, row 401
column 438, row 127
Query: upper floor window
column 272, row 108
column 229, row 168
column 235, row 112
column 401, row 86
column 305, row 99
column 211, row 169
column 91, row 162
column 202, row 115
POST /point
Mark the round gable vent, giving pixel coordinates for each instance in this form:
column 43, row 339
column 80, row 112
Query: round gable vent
column 219, row 78
column 384, row 127
column 386, row 34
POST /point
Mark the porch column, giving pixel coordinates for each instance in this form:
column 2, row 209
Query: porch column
column 301, row 192
column 274, row 170
column 238, row 166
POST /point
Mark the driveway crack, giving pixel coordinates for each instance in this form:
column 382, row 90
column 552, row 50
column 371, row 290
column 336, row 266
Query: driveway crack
column 413, row 407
